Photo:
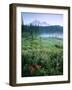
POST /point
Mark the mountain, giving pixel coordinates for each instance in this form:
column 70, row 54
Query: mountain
column 35, row 23
column 38, row 23
column 44, row 24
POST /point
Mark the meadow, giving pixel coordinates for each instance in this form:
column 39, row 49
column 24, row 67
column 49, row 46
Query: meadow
column 41, row 56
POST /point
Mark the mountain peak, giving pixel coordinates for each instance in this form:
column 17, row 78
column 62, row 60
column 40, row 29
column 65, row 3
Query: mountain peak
column 35, row 23
column 38, row 23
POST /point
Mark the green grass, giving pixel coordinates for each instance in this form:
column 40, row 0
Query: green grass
column 46, row 52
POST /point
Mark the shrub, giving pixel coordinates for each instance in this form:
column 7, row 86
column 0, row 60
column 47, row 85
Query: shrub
column 51, row 62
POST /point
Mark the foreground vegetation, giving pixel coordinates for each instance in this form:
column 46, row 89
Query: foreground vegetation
column 41, row 56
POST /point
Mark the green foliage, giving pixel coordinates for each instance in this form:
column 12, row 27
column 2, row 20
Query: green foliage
column 46, row 52
column 51, row 62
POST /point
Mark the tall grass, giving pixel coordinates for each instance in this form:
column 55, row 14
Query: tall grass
column 48, row 54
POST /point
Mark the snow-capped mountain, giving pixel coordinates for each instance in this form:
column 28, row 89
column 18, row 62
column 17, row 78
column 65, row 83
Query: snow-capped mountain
column 35, row 23
column 44, row 24
column 38, row 23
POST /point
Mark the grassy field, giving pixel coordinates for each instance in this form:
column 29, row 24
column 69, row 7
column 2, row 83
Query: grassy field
column 41, row 56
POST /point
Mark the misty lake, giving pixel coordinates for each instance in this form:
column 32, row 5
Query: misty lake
column 52, row 35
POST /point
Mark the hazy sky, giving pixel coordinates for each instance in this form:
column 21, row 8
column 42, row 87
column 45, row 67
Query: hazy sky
column 52, row 19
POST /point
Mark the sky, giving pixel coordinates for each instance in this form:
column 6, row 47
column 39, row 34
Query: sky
column 51, row 19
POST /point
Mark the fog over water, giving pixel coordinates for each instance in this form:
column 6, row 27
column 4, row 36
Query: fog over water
column 54, row 35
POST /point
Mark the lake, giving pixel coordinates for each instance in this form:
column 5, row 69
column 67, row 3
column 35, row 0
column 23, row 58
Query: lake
column 54, row 35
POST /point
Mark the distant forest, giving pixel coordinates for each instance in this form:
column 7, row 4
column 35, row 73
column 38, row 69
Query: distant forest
column 43, row 29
